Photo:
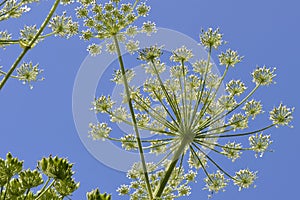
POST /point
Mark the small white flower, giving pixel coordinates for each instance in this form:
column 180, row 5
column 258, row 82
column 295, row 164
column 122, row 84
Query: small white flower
column 160, row 67
column 202, row 67
column 119, row 115
column 181, row 55
column 263, row 76
column 238, row 121
column 28, row 73
column 132, row 46
column 94, row 49
column 149, row 28
column 131, row 31
column 123, row 190
column 244, row 178
column 143, row 9
column 129, row 142
column 99, row 131
column 232, row 150
column 111, row 48
column 215, row 182
column 260, row 143
column 197, row 161
column 227, row 102
column 282, row 115
column 235, row 87
column 211, row 38
column 118, row 77
column 230, row 58
column 252, row 108
column 102, row 104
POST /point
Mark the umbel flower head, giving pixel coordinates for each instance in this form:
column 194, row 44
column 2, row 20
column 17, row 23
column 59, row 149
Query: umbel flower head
column 188, row 118
column 113, row 19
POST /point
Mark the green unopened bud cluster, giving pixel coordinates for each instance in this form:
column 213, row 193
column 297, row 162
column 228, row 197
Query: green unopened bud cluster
column 17, row 183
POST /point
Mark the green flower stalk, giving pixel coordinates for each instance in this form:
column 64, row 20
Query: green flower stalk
column 30, row 36
column 111, row 22
column 190, row 119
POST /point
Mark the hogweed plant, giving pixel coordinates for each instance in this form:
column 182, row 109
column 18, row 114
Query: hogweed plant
column 185, row 113
column 30, row 36
column 188, row 114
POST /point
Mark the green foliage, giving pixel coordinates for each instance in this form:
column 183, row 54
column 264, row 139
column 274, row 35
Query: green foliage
column 9, row 168
column 18, row 183
column 96, row 195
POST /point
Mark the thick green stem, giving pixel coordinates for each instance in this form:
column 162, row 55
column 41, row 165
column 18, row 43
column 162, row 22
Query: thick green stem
column 136, row 130
column 28, row 47
column 166, row 178
column 180, row 150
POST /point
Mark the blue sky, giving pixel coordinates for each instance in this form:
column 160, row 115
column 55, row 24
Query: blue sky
column 39, row 122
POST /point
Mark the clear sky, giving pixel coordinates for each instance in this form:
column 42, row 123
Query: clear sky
column 39, row 122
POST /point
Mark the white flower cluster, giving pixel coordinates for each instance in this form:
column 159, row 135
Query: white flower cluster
column 177, row 186
column 190, row 119
column 109, row 20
